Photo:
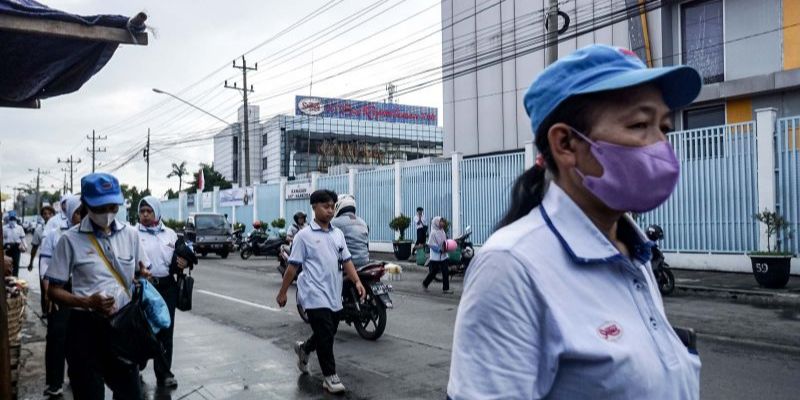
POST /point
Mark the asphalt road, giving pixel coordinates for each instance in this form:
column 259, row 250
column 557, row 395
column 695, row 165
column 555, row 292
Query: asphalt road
column 747, row 352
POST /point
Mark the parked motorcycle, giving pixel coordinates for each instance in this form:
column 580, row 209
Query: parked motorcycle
column 664, row 277
column 259, row 243
column 369, row 316
column 238, row 238
column 283, row 260
column 466, row 254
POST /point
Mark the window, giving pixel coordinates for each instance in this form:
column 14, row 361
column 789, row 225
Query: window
column 700, row 143
column 264, row 163
column 235, row 159
column 702, row 38
column 703, row 117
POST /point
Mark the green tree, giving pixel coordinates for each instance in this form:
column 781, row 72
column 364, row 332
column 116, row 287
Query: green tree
column 178, row 170
column 212, row 178
column 133, row 194
column 171, row 194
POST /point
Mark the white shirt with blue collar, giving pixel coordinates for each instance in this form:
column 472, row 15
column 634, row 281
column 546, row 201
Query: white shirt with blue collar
column 551, row 309
column 159, row 245
column 321, row 254
column 76, row 258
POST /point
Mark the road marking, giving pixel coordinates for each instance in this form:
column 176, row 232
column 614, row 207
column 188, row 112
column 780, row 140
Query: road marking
column 240, row 301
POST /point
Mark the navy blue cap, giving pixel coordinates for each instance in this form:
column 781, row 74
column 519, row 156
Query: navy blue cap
column 600, row 68
column 100, row 189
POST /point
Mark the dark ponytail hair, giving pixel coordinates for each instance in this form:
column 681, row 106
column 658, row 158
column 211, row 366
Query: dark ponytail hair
column 529, row 188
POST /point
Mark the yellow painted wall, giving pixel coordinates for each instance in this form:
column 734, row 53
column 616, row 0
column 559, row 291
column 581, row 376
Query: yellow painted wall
column 739, row 110
column 791, row 34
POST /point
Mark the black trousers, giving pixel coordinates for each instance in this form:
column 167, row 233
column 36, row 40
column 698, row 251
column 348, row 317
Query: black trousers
column 168, row 289
column 91, row 363
column 324, row 323
column 422, row 235
column 55, row 350
column 12, row 250
column 433, row 268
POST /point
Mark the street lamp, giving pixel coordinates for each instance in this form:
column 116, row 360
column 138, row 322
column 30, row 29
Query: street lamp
column 159, row 91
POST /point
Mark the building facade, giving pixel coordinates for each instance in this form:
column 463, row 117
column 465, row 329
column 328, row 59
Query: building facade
column 229, row 148
column 748, row 53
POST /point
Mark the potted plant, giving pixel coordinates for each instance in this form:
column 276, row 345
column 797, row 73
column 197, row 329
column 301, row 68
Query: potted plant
column 402, row 247
column 771, row 267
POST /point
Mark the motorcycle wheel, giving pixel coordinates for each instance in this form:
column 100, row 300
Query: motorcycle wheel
column 300, row 309
column 245, row 254
column 666, row 282
column 372, row 328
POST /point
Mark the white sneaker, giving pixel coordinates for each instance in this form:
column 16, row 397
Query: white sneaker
column 302, row 357
column 333, row 384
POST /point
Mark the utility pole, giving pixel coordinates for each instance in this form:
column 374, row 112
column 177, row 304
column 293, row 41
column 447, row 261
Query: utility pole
column 71, row 161
column 244, row 89
column 552, row 32
column 93, row 151
column 39, row 172
column 146, row 154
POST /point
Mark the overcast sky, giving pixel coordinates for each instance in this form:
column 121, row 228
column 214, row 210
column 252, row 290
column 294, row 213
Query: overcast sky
column 194, row 39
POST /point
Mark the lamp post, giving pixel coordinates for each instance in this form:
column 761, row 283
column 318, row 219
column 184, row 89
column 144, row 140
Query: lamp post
column 159, row 91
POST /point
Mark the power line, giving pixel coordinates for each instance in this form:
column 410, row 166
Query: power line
column 244, row 90
column 71, row 169
column 94, row 150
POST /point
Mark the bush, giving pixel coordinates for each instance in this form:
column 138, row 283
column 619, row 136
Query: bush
column 279, row 223
column 400, row 224
column 238, row 226
column 174, row 224
column 776, row 224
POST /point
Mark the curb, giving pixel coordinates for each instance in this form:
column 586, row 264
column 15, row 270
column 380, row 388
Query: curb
column 755, row 297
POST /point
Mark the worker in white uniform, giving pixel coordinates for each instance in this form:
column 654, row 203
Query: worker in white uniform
column 158, row 242
column 13, row 240
column 101, row 258
column 57, row 316
column 561, row 301
column 47, row 212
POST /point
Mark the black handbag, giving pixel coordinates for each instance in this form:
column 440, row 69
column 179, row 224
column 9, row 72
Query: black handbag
column 185, row 286
column 132, row 340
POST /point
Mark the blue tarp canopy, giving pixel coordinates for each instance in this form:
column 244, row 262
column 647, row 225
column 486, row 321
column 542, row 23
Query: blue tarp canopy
column 46, row 52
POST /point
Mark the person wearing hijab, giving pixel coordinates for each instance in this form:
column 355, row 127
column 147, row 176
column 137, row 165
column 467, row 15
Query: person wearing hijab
column 57, row 316
column 158, row 242
column 438, row 258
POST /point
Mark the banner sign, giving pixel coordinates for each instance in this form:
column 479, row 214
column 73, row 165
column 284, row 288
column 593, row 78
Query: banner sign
column 190, row 200
column 365, row 110
column 295, row 191
column 207, row 200
column 235, row 197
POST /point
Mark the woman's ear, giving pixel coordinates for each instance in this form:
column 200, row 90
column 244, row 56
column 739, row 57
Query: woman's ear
column 562, row 146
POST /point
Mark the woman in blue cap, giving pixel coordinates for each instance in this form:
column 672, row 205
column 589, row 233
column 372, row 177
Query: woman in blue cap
column 100, row 258
column 561, row 301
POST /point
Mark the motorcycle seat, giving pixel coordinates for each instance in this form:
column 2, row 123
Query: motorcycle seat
column 370, row 264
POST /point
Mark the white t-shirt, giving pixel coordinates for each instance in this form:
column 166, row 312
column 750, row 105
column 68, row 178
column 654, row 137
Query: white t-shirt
column 321, row 254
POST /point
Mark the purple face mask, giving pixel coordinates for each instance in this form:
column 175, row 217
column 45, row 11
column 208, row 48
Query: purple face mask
column 635, row 179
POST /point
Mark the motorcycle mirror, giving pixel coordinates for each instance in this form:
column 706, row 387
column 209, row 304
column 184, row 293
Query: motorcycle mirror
column 469, row 229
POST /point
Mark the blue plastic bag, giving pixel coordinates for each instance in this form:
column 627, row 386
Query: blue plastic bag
column 155, row 308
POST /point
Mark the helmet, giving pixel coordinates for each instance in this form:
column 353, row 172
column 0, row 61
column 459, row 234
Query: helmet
column 257, row 224
column 345, row 201
column 654, row 232
column 299, row 215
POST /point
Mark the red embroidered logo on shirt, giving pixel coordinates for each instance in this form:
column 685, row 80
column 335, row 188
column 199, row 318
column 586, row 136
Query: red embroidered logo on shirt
column 610, row 331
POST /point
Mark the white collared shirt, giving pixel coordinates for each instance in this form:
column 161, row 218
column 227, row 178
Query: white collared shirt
column 75, row 257
column 551, row 309
column 159, row 245
column 321, row 254
column 13, row 233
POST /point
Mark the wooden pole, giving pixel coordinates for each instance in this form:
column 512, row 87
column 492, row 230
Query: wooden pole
column 5, row 352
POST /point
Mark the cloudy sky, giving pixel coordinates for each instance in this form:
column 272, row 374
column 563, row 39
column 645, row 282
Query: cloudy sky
column 190, row 55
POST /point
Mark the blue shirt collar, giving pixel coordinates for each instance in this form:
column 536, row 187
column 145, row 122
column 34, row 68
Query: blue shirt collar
column 87, row 226
column 315, row 226
column 581, row 239
column 151, row 229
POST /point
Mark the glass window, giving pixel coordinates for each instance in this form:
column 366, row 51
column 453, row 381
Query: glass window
column 702, row 38
column 702, row 117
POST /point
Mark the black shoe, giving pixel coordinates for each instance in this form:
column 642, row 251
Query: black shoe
column 169, row 382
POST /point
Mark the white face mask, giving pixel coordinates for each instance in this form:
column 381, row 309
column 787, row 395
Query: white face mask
column 102, row 220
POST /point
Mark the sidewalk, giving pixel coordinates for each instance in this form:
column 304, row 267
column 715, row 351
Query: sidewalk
column 735, row 286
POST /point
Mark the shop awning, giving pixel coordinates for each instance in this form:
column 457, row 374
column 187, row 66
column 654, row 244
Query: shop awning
column 46, row 52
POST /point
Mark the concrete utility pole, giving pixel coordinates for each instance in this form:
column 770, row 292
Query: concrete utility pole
column 552, row 32
column 244, row 89
column 39, row 172
column 146, row 154
column 93, row 151
column 71, row 161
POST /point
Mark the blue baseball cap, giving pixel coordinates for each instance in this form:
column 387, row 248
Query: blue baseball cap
column 600, row 68
column 100, row 189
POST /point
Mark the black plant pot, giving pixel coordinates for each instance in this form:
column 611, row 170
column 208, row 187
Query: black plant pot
column 402, row 250
column 771, row 271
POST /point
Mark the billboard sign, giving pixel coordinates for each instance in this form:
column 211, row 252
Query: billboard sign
column 365, row 110
column 235, row 197
column 296, row 191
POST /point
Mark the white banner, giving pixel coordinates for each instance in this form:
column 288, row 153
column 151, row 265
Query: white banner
column 235, row 197
column 295, row 191
column 207, row 197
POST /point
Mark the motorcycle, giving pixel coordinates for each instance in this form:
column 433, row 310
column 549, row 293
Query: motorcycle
column 238, row 239
column 664, row 276
column 466, row 254
column 369, row 316
column 259, row 243
column 283, row 260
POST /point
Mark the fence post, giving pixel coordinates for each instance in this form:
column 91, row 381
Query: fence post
column 351, row 180
column 314, row 181
column 530, row 155
column 398, row 188
column 233, row 215
column 181, row 202
column 255, row 203
column 198, row 197
column 282, row 198
column 215, row 199
column 765, row 139
column 455, row 161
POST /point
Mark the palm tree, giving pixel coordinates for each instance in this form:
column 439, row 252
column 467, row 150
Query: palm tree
column 179, row 171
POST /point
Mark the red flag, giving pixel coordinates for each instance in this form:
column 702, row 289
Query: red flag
column 201, row 181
